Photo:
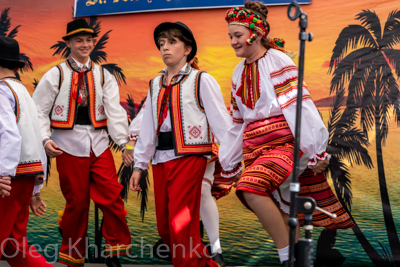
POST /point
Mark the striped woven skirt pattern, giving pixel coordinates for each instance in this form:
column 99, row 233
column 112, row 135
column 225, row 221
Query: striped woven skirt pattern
column 268, row 157
column 318, row 188
column 268, row 148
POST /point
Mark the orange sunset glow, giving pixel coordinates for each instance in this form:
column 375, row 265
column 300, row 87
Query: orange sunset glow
column 131, row 44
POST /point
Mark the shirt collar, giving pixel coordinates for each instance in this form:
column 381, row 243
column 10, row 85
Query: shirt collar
column 87, row 64
column 184, row 71
column 78, row 64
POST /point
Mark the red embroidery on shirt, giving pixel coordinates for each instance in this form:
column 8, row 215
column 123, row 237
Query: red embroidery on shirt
column 100, row 109
column 194, row 131
column 58, row 109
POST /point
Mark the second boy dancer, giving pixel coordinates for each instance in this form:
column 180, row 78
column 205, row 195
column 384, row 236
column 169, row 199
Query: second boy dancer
column 183, row 107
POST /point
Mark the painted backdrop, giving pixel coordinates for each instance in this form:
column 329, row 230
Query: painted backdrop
column 352, row 69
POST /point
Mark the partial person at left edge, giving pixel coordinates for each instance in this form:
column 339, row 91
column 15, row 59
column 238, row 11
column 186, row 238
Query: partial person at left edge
column 21, row 161
column 82, row 99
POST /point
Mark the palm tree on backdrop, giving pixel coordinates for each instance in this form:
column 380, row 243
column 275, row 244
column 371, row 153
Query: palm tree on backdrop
column 346, row 142
column 364, row 59
column 5, row 25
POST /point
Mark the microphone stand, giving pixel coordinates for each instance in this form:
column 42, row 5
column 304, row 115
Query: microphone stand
column 306, row 205
column 303, row 251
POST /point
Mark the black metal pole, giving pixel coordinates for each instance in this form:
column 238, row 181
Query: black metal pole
column 97, row 236
column 295, row 186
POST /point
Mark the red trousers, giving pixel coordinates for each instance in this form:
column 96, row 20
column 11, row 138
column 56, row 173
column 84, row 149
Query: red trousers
column 177, row 192
column 82, row 179
column 14, row 214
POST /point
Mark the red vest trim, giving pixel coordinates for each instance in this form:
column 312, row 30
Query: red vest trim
column 69, row 124
column 92, row 104
column 159, row 101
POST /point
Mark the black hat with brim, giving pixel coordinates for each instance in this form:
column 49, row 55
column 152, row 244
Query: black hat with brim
column 78, row 26
column 185, row 31
column 9, row 53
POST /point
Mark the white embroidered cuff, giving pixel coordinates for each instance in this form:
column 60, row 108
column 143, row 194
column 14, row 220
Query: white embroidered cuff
column 133, row 137
column 322, row 156
column 233, row 172
column 139, row 165
column 4, row 174
column 36, row 189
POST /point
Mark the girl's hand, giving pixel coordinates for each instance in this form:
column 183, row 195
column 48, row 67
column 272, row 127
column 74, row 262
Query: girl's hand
column 236, row 178
column 320, row 166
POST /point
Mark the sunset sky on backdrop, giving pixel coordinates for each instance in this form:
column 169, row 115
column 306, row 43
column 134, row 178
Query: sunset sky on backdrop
column 131, row 44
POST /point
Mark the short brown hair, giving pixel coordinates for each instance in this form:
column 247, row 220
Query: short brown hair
column 172, row 34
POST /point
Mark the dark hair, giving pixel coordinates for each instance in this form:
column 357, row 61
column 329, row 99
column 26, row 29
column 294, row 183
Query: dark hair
column 262, row 10
column 172, row 34
column 8, row 65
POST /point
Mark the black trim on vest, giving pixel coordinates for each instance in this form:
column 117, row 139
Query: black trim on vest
column 102, row 76
column 60, row 79
column 198, row 89
column 151, row 87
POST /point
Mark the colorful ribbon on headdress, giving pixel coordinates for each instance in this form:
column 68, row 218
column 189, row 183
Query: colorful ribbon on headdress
column 250, row 19
column 277, row 43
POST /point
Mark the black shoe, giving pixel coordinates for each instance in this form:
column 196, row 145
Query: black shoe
column 113, row 262
column 285, row 264
column 219, row 259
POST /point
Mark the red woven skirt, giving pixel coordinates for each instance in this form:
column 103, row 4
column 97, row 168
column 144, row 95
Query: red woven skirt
column 268, row 148
column 268, row 157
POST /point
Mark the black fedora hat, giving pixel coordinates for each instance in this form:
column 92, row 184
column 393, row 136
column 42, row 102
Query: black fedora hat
column 9, row 53
column 180, row 26
column 78, row 26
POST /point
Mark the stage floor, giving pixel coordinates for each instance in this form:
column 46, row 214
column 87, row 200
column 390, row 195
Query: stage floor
column 5, row 264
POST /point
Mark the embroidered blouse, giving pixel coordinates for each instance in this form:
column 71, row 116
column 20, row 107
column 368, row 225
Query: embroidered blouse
column 272, row 91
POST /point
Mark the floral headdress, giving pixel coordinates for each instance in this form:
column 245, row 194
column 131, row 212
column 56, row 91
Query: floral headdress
column 250, row 19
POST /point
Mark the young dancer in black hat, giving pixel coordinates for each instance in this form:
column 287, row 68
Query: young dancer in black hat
column 21, row 158
column 82, row 99
column 184, row 105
